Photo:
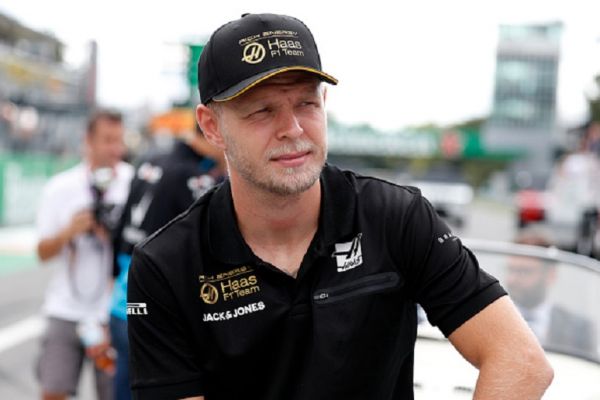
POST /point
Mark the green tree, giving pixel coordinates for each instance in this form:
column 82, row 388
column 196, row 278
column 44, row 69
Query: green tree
column 594, row 101
column 475, row 124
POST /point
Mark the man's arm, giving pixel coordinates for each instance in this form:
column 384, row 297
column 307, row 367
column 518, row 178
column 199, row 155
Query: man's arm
column 50, row 246
column 164, row 361
column 511, row 363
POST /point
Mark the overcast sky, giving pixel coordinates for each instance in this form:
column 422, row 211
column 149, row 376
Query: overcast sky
column 398, row 62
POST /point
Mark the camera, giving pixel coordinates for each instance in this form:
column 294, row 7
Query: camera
column 103, row 211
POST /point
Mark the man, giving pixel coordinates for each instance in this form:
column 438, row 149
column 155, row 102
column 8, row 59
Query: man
column 293, row 279
column 164, row 186
column 591, row 138
column 77, row 210
column 528, row 281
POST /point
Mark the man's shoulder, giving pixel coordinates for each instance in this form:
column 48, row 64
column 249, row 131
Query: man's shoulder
column 371, row 188
column 180, row 167
column 173, row 164
column 67, row 178
column 124, row 173
column 179, row 233
column 124, row 170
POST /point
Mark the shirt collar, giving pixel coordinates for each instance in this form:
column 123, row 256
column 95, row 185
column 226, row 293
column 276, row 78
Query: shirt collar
column 338, row 206
column 336, row 219
column 225, row 238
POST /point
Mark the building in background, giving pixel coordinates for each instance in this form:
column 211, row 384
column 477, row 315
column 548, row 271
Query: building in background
column 43, row 110
column 43, row 101
column 523, row 116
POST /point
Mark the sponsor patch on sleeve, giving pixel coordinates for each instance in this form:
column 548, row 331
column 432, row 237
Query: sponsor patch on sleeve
column 137, row 309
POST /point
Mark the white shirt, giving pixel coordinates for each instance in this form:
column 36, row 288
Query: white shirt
column 78, row 289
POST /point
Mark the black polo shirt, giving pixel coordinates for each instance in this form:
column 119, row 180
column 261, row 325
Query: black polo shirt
column 215, row 320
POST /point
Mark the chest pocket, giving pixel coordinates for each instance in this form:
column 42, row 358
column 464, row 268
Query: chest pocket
column 363, row 286
column 359, row 323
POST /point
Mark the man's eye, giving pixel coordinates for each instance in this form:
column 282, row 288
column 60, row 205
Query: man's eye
column 261, row 111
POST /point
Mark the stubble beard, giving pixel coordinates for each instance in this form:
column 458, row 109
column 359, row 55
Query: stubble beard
column 279, row 181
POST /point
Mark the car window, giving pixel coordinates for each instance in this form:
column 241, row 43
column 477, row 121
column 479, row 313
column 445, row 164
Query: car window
column 558, row 299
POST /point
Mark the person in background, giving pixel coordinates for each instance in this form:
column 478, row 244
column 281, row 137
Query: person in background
column 297, row 280
column 574, row 194
column 528, row 282
column 591, row 139
column 164, row 186
column 78, row 209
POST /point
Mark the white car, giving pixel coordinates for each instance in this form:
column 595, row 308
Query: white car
column 570, row 298
column 572, row 203
column 449, row 194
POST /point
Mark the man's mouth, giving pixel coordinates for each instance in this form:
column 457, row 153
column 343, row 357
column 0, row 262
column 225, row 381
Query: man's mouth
column 291, row 159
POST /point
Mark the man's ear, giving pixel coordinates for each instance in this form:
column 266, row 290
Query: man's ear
column 207, row 121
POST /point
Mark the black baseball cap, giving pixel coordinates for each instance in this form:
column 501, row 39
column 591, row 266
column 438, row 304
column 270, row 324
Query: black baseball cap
column 249, row 50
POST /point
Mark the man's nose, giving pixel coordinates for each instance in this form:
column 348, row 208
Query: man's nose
column 288, row 124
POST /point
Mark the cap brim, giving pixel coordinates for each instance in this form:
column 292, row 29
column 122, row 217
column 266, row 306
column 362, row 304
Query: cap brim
column 249, row 83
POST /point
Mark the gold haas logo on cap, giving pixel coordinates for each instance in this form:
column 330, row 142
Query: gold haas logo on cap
column 254, row 53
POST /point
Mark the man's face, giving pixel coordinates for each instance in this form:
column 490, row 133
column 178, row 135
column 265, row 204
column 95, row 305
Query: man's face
column 104, row 145
column 527, row 281
column 275, row 134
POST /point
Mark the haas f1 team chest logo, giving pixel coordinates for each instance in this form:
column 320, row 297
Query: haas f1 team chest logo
column 209, row 294
column 223, row 287
column 226, row 286
column 348, row 255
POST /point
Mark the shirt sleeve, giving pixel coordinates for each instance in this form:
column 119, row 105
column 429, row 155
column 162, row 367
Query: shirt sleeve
column 444, row 275
column 163, row 361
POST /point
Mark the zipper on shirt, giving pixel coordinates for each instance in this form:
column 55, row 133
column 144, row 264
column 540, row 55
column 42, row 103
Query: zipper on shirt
column 363, row 286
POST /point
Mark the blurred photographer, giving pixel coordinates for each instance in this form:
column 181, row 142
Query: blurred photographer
column 77, row 211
